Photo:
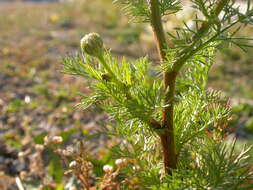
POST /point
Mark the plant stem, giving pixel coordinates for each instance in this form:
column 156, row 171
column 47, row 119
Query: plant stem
column 107, row 68
column 169, row 77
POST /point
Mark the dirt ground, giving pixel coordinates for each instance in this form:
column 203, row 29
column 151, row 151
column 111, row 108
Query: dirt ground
column 37, row 99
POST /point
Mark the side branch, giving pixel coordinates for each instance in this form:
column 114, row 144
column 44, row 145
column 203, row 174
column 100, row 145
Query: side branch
column 205, row 27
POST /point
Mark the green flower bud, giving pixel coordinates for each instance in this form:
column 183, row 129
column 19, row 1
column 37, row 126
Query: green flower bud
column 92, row 44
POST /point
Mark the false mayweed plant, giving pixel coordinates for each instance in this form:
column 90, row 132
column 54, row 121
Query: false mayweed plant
column 171, row 124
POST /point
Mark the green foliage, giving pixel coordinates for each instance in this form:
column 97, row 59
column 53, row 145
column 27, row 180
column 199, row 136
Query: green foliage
column 55, row 167
column 15, row 105
column 139, row 11
column 213, row 166
column 132, row 93
column 137, row 98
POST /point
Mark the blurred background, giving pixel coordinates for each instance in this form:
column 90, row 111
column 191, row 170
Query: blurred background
column 36, row 99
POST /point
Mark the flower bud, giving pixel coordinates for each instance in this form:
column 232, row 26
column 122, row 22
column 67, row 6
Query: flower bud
column 121, row 162
column 108, row 169
column 21, row 154
column 70, row 151
column 92, row 44
column 136, row 168
column 39, row 147
column 73, row 164
column 57, row 139
column 89, row 165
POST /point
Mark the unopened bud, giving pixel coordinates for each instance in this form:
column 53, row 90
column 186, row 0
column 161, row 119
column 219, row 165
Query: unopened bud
column 108, row 169
column 39, row 147
column 92, row 44
column 73, row 164
column 21, row 154
column 136, row 168
column 121, row 162
column 89, row 165
column 70, row 151
column 57, row 139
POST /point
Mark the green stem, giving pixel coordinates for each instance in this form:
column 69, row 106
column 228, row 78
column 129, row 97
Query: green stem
column 169, row 77
column 107, row 68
